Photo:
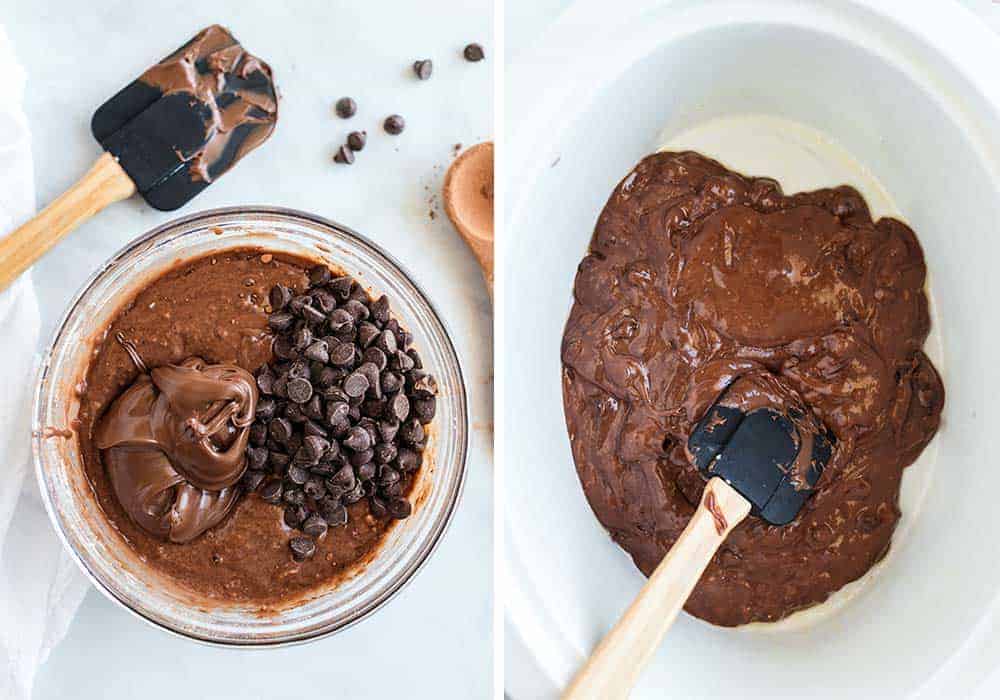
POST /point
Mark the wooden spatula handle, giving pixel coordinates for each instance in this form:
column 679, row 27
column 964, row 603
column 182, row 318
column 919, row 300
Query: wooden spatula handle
column 615, row 665
column 103, row 184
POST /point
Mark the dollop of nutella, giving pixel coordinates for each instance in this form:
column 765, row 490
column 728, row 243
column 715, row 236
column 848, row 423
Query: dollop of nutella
column 174, row 444
column 699, row 280
column 237, row 87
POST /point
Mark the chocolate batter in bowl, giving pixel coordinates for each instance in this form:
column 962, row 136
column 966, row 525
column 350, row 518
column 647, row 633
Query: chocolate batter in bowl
column 698, row 276
column 294, row 601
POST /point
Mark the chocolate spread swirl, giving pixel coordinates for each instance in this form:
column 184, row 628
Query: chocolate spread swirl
column 174, row 444
column 237, row 87
column 698, row 277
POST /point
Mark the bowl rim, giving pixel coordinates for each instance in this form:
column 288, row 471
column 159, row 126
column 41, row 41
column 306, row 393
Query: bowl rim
column 409, row 572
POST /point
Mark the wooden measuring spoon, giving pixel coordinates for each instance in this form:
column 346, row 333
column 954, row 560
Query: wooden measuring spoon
column 750, row 460
column 468, row 200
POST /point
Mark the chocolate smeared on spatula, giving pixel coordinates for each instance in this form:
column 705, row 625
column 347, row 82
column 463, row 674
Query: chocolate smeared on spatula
column 762, row 452
column 772, row 452
column 190, row 118
column 168, row 134
column 175, row 443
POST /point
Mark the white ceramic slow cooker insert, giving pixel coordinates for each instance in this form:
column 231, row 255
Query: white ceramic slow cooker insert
column 900, row 100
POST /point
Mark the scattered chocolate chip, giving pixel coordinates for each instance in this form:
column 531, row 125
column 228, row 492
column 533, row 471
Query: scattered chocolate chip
column 317, row 352
column 301, row 339
column 380, row 310
column 252, row 480
column 378, row 507
column 391, row 382
column 412, row 432
column 346, row 107
column 424, row 408
column 388, row 476
column 314, row 526
column 417, row 364
column 298, row 475
column 474, row 52
column 424, row 386
column 302, row 548
column 314, row 488
column 385, row 452
column 315, row 447
column 400, row 508
column 342, row 355
column 355, row 385
column 319, row 275
column 371, row 372
column 366, row 472
column 294, row 496
column 344, row 155
column 342, row 287
column 356, row 140
column 265, row 380
column 354, row 495
column 360, row 458
column 256, row 457
column 279, row 297
column 272, row 491
column 258, row 433
column 403, row 362
column 333, row 512
column 358, row 439
column 313, row 315
column 314, row 409
column 283, row 350
column 423, row 68
column 388, row 430
column 281, row 430
column 340, row 320
column 399, row 407
column 358, row 311
column 299, row 390
column 408, row 459
column 279, row 462
column 294, row 413
column 367, row 333
column 266, row 409
column 375, row 357
column 324, row 300
column 344, row 479
column 294, row 515
column 394, row 124
column 280, row 321
column 386, row 342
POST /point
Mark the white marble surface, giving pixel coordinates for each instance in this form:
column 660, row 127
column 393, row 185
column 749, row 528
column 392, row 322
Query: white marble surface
column 434, row 639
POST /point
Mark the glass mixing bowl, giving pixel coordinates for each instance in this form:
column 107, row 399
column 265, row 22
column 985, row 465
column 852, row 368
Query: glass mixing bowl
column 100, row 550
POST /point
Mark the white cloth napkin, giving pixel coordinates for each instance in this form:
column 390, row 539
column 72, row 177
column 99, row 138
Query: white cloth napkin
column 40, row 587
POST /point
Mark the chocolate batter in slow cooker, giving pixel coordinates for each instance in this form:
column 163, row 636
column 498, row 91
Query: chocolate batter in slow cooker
column 696, row 276
column 214, row 308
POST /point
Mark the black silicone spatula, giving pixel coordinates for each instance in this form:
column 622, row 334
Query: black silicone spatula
column 167, row 135
column 764, row 462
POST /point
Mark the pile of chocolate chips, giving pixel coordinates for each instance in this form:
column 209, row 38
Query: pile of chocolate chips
column 342, row 409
